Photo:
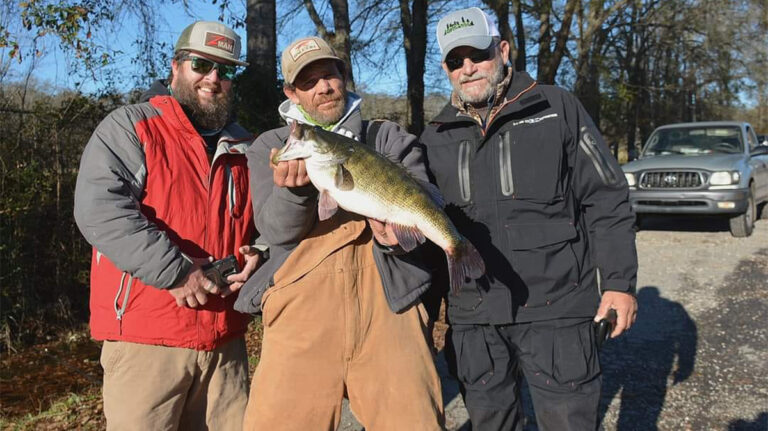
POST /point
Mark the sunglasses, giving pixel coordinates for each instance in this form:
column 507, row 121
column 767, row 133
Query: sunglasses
column 204, row 66
column 454, row 61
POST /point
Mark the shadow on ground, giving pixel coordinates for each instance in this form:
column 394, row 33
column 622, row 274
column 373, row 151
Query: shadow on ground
column 637, row 364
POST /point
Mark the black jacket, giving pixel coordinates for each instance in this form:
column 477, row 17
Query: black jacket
column 540, row 196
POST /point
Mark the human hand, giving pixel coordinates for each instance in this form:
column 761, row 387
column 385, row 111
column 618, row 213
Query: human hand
column 383, row 233
column 252, row 261
column 290, row 173
column 193, row 290
column 625, row 305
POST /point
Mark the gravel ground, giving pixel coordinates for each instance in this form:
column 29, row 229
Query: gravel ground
column 697, row 357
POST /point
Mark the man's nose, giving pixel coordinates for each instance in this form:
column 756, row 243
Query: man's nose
column 468, row 68
column 213, row 75
column 323, row 86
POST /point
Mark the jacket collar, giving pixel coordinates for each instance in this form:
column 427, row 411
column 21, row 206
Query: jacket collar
column 519, row 84
column 351, row 123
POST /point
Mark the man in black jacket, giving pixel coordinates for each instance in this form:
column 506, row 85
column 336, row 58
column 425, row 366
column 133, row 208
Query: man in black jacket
column 529, row 180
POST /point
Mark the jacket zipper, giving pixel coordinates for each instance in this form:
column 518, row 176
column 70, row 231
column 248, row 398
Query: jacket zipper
column 505, row 166
column 120, row 309
column 465, row 150
column 603, row 168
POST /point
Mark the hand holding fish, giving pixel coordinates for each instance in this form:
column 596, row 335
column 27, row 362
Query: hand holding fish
column 383, row 233
column 289, row 173
column 355, row 177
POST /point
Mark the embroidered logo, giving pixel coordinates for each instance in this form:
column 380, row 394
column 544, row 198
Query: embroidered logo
column 453, row 26
column 220, row 41
column 533, row 120
column 303, row 48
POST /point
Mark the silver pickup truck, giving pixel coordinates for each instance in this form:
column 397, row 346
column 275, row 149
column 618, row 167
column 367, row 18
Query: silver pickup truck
column 715, row 167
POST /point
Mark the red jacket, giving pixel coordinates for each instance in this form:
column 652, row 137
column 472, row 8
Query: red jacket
column 146, row 197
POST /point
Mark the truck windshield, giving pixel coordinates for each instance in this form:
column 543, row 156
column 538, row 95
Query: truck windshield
column 694, row 141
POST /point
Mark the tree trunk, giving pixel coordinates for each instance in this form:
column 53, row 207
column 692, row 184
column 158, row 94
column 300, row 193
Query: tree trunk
column 340, row 38
column 519, row 53
column 414, row 25
column 259, row 92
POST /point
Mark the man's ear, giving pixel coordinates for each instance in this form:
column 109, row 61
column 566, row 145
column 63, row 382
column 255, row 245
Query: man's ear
column 504, row 46
column 175, row 69
column 290, row 93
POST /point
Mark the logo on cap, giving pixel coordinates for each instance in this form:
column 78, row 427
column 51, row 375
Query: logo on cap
column 220, row 41
column 453, row 26
column 304, row 47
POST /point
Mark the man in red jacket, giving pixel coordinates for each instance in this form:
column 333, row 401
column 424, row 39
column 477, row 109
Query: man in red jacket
column 162, row 189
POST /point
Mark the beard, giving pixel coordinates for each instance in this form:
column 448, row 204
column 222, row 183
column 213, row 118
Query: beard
column 213, row 115
column 328, row 117
column 493, row 78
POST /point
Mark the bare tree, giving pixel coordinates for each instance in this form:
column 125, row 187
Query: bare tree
column 340, row 37
column 414, row 24
column 551, row 53
column 258, row 91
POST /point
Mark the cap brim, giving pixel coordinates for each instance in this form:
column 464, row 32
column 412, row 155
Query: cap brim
column 213, row 55
column 321, row 57
column 477, row 42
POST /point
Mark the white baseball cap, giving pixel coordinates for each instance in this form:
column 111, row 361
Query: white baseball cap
column 465, row 27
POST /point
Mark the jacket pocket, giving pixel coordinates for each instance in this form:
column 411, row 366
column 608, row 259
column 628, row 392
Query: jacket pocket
column 531, row 163
column 543, row 258
column 450, row 164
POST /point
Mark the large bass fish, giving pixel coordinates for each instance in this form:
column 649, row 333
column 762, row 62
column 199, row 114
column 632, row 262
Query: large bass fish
column 356, row 178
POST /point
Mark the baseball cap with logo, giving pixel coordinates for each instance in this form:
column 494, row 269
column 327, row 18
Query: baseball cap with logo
column 211, row 38
column 465, row 27
column 302, row 52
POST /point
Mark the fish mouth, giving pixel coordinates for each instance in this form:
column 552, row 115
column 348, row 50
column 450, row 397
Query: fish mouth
column 294, row 149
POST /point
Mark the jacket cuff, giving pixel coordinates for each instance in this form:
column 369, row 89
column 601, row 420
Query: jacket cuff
column 618, row 286
column 184, row 268
column 394, row 250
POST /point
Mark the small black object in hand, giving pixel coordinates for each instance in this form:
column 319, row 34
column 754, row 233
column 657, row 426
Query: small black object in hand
column 604, row 327
column 218, row 270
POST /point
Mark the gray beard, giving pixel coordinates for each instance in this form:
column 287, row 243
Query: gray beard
column 213, row 116
column 493, row 81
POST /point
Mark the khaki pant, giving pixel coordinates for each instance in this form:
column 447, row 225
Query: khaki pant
column 328, row 332
column 168, row 388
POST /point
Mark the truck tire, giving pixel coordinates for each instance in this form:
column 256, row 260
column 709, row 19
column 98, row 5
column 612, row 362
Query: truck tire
column 743, row 224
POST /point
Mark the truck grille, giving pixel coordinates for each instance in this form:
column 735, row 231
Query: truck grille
column 671, row 180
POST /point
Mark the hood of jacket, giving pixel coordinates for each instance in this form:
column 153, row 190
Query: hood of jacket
column 350, row 124
column 158, row 88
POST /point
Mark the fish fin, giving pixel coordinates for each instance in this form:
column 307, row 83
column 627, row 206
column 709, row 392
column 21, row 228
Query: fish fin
column 327, row 206
column 464, row 262
column 408, row 237
column 432, row 191
column 343, row 178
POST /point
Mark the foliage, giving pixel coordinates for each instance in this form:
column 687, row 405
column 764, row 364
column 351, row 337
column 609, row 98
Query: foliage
column 43, row 257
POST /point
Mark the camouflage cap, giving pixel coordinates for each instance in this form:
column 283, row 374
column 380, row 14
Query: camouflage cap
column 302, row 52
column 211, row 38
column 465, row 27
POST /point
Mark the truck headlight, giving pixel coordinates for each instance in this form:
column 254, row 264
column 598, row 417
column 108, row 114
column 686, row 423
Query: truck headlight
column 724, row 178
column 630, row 178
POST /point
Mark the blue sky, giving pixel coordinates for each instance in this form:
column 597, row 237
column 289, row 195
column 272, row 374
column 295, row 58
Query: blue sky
column 54, row 69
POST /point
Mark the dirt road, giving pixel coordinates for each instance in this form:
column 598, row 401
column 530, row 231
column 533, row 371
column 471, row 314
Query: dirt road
column 697, row 358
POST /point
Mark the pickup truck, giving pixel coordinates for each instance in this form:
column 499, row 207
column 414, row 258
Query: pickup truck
column 712, row 168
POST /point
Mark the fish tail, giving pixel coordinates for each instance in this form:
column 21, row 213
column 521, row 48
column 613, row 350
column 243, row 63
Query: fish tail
column 464, row 261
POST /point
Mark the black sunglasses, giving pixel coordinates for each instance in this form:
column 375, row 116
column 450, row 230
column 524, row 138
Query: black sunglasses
column 204, row 66
column 454, row 61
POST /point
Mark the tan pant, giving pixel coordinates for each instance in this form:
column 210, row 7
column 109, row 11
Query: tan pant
column 328, row 332
column 169, row 388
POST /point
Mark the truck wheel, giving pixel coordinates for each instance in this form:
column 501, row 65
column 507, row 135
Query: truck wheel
column 743, row 224
column 638, row 222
